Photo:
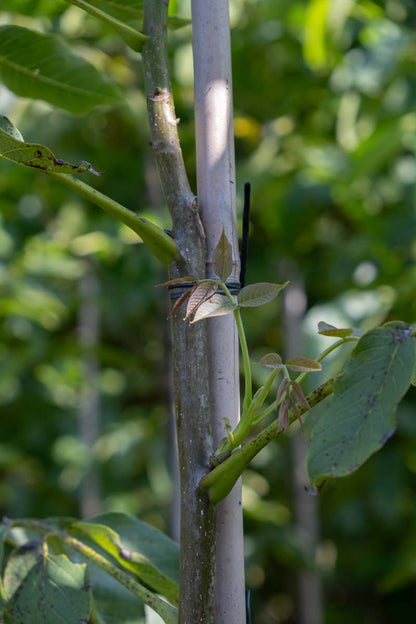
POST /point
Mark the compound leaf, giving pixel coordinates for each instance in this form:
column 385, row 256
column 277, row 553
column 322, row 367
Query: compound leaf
column 361, row 415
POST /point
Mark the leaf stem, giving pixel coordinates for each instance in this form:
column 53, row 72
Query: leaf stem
column 248, row 384
column 157, row 240
column 162, row 608
column 326, row 352
column 220, row 481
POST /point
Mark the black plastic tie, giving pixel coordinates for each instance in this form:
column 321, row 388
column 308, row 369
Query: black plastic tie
column 177, row 290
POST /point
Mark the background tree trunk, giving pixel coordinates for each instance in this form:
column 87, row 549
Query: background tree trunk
column 309, row 607
column 89, row 405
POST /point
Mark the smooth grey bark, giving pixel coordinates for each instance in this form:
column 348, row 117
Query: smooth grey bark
column 216, row 201
column 309, row 607
column 189, row 342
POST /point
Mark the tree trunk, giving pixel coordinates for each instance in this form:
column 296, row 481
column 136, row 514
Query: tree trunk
column 205, row 355
column 216, row 201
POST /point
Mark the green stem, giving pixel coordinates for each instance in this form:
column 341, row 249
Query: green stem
column 220, row 481
column 326, row 352
column 248, row 384
column 157, row 240
column 134, row 38
column 162, row 608
column 250, row 417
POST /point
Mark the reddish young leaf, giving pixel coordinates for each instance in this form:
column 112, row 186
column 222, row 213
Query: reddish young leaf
column 199, row 294
column 297, row 412
column 222, row 258
column 184, row 296
column 282, row 389
column 299, row 395
column 283, row 418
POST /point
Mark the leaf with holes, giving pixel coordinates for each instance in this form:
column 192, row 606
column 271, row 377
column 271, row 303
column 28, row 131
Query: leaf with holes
column 360, row 416
column 217, row 305
column 44, row 67
column 13, row 147
column 259, row 294
column 39, row 587
column 222, row 258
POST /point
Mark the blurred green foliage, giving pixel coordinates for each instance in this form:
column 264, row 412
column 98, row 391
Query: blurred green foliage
column 325, row 123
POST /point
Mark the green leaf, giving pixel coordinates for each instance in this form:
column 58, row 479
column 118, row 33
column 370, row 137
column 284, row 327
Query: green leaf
column 124, row 16
column 43, row 67
column 258, row 294
column 222, row 258
column 34, row 155
column 138, row 547
column 41, row 8
column 217, row 305
column 45, row 588
column 325, row 329
column 271, row 360
column 303, row 365
column 360, row 416
column 113, row 603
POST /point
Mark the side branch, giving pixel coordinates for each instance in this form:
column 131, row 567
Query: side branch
column 187, row 227
column 220, row 481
